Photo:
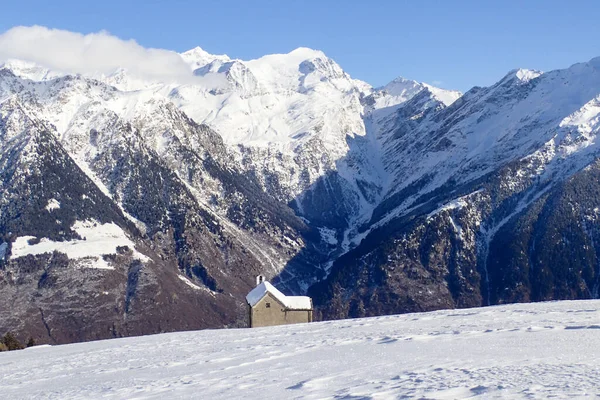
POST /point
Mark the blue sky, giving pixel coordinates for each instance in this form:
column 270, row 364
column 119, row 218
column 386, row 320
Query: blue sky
column 454, row 44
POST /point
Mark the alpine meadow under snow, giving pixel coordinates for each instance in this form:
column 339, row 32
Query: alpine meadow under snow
column 533, row 351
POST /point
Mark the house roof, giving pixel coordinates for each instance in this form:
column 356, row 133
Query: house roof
column 290, row 302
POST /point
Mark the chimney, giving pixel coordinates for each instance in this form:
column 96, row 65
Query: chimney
column 260, row 279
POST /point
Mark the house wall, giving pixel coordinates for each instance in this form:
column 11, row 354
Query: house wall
column 298, row 316
column 261, row 315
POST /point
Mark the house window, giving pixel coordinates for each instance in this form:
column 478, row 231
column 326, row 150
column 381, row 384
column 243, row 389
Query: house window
column 268, row 305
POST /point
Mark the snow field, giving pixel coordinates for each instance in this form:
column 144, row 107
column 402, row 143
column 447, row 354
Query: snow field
column 98, row 240
column 516, row 351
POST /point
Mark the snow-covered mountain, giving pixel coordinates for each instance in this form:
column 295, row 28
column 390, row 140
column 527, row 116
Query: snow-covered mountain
column 492, row 200
column 507, row 352
column 294, row 122
column 182, row 226
column 380, row 200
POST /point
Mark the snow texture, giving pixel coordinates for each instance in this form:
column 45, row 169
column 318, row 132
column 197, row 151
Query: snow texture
column 454, row 204
column 97, row 240
column 53, row 204
column 290, row 302
column 193, row 285
column 516, row 351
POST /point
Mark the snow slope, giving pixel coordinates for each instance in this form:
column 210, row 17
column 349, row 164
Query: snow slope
column 515, row 351
column 97, row 240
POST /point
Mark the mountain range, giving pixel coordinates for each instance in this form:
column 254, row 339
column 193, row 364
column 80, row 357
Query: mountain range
column 134, row 205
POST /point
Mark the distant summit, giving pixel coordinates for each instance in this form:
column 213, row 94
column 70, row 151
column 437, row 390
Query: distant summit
column 197, row 57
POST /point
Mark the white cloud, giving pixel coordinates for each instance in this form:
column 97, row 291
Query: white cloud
column 90, row 54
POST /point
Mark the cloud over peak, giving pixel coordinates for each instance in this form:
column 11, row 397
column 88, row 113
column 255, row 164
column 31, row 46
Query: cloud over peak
column 93, row 53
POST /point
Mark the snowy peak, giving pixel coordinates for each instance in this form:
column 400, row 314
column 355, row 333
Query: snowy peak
column 399, row 91
column 402, row 88
column 525, row 75
column 445, row 96
column 307, row 53
column 521, row 75
column 302, row 70
column 28, row 70
column 237, row 74
column 198, row 57
column 291, row 59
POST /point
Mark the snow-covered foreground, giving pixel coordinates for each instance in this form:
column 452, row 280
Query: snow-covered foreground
column 516, row 351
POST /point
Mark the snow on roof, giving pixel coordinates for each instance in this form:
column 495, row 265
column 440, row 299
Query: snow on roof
column 290, row 302
column 298, row 302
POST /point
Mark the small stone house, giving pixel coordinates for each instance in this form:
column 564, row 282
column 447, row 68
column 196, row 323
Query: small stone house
column 267, row 306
